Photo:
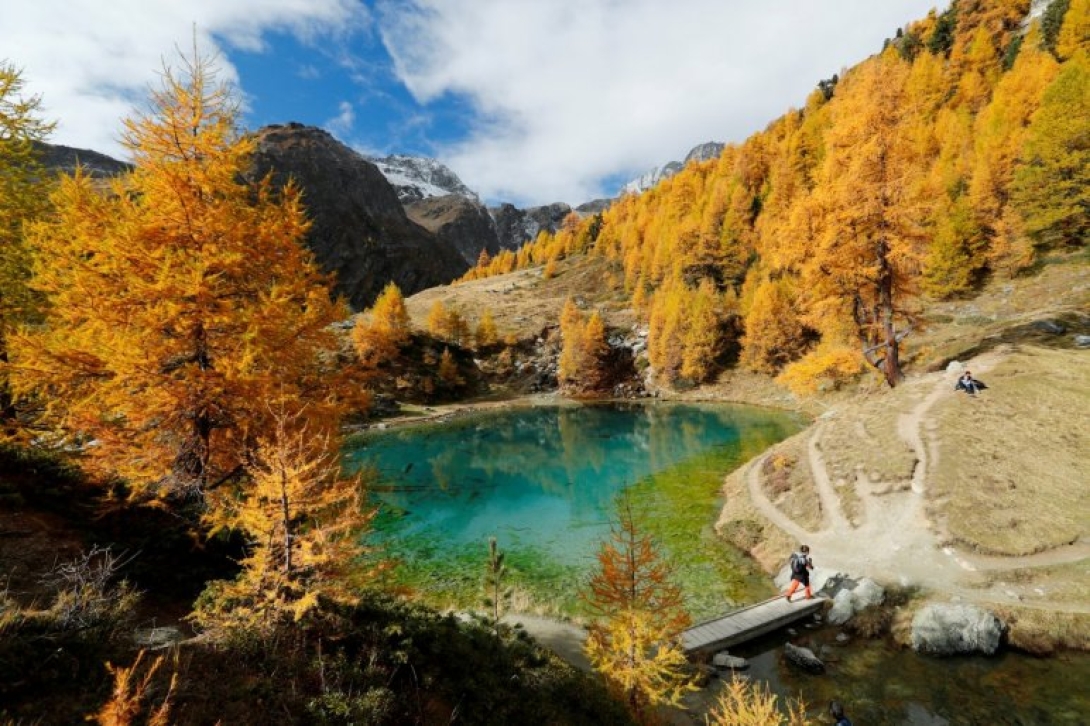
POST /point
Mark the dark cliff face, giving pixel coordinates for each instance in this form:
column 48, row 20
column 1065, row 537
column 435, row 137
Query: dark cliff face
column 360, row 231
column 65, row 159
column 459, row 222
column 515, row 227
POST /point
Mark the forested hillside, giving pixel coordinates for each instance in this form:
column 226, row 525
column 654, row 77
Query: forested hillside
column 959, row 152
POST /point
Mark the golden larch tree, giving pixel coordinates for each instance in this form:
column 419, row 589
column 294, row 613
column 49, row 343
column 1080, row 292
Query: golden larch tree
column 636, row 641
column 304, row 525
column 868, row 254
column 181, row 303
column 1051, row 188
column 380, row 333
column 24, row 191
column 486, row 333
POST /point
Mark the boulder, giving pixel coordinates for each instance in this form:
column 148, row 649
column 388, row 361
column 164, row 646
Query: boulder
column 803, row 659
column 843, row 608
column 952, row 629
column 726, row 661
column 867, row 594
column 1082, row 341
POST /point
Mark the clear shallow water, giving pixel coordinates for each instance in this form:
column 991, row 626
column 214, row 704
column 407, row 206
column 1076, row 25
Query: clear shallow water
column 882, row 685
column 544, row 481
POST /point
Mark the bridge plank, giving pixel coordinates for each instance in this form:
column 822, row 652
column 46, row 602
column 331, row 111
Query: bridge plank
column 747, row 623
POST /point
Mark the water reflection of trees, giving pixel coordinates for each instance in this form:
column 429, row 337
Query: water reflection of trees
column 583, row 455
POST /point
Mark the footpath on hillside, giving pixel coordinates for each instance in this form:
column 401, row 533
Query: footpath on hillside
column 893, row 530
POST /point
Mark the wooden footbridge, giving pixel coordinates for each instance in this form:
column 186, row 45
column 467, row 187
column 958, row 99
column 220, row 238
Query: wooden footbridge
column 747, row 623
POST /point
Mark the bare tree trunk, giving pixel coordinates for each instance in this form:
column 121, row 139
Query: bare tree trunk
column 891, row 364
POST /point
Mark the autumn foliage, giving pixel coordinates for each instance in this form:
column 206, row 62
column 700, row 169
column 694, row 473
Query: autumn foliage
column 635, row 643
column 24, row 191
column 584, row 350
column 303, row 522
column 379, row 334
column 956, row 154
column 181, row 304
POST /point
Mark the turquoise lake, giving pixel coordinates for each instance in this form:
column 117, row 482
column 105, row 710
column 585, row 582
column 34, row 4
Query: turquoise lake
column 544, row 480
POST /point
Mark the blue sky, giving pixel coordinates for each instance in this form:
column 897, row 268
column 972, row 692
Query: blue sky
column 528, row 101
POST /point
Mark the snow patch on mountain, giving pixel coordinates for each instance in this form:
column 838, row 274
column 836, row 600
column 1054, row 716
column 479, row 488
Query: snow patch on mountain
column 700, row 152
column 416, row 178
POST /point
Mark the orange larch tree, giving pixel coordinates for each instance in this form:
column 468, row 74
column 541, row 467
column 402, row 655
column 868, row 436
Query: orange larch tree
column 304, row 525
column 867, row 258
column 635, row 643
column 181, row 303
column 379, row 334
column 24, row 190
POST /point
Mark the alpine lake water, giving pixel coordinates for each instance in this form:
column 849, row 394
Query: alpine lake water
column 545, row 481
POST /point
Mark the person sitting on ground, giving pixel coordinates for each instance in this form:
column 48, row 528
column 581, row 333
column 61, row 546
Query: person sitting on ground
column 801, row 564
column 969, row 384
column 836, row 710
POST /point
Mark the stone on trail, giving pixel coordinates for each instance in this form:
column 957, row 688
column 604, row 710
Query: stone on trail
column 867, row 593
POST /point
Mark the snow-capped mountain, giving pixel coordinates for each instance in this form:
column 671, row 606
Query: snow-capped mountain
column 700, row 152
column 416, row 178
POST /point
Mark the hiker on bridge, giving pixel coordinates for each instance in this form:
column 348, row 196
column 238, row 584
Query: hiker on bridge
column 801, row 564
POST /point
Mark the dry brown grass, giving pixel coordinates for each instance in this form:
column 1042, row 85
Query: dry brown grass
column 1011, row 470
column 863, row 438
column 745, row 528
column 1042, row 631
column 523, row 303
column 789, row 484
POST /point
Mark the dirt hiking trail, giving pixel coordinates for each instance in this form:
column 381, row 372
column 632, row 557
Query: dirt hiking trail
column 892, row 538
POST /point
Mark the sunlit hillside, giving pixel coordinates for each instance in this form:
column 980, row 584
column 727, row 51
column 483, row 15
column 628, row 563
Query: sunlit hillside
column 955, row 156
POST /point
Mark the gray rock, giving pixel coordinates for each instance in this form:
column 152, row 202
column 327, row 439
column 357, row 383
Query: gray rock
column 955, row 366
column 1049, row 326
column 514, row 226
column 157, row 638
column 952, row 629
column 726, row 661
column 1082, row 341
column 803, row 658
column 843, row 608
column 867, row 594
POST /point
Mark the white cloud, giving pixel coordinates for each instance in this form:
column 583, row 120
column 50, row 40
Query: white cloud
column 570, row 92
column 342, row 123
column 93, row 61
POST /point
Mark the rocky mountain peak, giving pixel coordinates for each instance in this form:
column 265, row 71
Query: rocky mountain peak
column 700, row 152
column 360, row 231
column 416, row 178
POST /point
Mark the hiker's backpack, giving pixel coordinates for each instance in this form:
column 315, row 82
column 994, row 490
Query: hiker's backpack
column 798, row 563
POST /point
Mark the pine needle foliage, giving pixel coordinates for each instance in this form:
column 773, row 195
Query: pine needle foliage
column 181, row 302
column 635, row 642
column 24, row 187
column 304, row 525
